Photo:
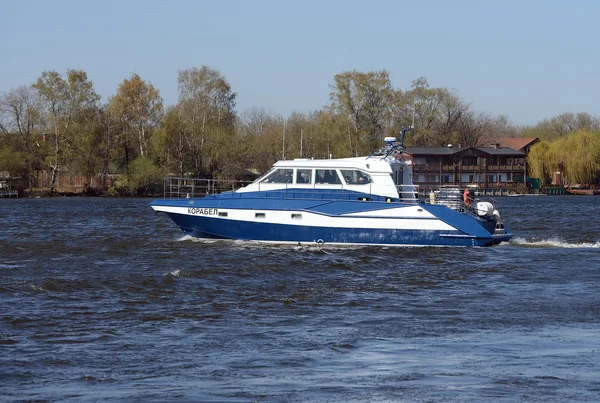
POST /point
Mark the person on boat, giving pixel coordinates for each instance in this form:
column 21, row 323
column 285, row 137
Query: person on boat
column 467, row 198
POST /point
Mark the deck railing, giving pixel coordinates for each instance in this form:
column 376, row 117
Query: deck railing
column 454, row 198
column 182, row 188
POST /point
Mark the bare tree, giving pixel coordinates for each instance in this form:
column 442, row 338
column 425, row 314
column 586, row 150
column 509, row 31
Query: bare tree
column 471, row 127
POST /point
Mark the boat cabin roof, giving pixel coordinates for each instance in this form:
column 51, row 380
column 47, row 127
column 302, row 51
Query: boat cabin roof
column 376, row 164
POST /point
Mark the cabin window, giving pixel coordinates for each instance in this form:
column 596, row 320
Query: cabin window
column 356, row 177
column 259, row 215
column 279, row 176
column 222, row 214
column 296, row 216
column 304, row 176
column 327, row 176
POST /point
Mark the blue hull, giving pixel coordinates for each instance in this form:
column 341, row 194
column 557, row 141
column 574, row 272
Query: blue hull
column 469, row 230
column 210, row 228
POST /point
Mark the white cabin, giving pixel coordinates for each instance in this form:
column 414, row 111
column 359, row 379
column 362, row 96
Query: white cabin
column 382, row 176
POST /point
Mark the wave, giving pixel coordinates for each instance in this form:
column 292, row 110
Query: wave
column 552, row 243
column 189, row 238
column 174, row 273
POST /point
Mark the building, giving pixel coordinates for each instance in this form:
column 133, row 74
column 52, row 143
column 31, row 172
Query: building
column 492, row 170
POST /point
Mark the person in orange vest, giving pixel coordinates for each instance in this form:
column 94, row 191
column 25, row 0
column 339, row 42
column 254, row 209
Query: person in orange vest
column 467, row 197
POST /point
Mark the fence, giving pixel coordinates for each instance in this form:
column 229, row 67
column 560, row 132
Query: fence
column 74, row 182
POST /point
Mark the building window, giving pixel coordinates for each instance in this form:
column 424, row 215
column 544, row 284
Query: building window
column 445, row 178
column 469, row 161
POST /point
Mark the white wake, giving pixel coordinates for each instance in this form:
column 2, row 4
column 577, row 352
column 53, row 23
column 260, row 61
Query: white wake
column 553, row 243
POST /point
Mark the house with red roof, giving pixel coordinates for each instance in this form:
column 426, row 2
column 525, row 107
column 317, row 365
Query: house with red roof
column 516, row 143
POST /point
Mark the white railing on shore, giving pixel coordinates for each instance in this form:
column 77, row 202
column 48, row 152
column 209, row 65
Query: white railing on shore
column 9, row 193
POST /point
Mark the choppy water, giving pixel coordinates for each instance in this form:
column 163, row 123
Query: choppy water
column 100, row 299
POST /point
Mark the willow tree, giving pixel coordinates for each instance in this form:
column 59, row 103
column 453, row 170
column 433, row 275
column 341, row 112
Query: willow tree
column 65, row 102
column 579, row 156
column 538, row 161
column 576, row 156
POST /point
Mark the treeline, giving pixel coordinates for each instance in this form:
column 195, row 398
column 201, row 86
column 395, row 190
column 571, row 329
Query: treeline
column 59, row 124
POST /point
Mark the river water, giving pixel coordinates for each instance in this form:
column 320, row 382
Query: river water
column 101, row 299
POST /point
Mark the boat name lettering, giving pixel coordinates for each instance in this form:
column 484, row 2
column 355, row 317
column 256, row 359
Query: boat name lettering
column 202, row 211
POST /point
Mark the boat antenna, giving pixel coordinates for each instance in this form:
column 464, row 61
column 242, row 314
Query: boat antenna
column 400, row 146
column 413, row 113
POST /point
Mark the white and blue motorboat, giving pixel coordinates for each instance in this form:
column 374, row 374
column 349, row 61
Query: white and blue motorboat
column 347, row 201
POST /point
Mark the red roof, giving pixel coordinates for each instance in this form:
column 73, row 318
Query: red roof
column 516, row 143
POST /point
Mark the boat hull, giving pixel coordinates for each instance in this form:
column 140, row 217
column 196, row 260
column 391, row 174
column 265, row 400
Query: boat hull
column 330, row 222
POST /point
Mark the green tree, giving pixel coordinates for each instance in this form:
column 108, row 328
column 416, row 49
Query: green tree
column 11, row 161
column 335, row 136
column 21, row 122
column 64, row 100
column 143, row 175
column 261, row 133
column 366, row 99
column 139, row 107
column 207, row 110
column 173, row 142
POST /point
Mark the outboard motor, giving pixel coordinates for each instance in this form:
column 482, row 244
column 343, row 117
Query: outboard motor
column 485, row 209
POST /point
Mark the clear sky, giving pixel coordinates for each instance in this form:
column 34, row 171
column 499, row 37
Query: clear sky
column 527, row 59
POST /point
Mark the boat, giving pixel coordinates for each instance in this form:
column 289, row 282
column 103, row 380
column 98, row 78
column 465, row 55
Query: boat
column 368, row 200
column 584, row 192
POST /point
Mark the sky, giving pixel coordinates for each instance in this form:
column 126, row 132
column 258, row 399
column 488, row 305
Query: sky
column 527, row 59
